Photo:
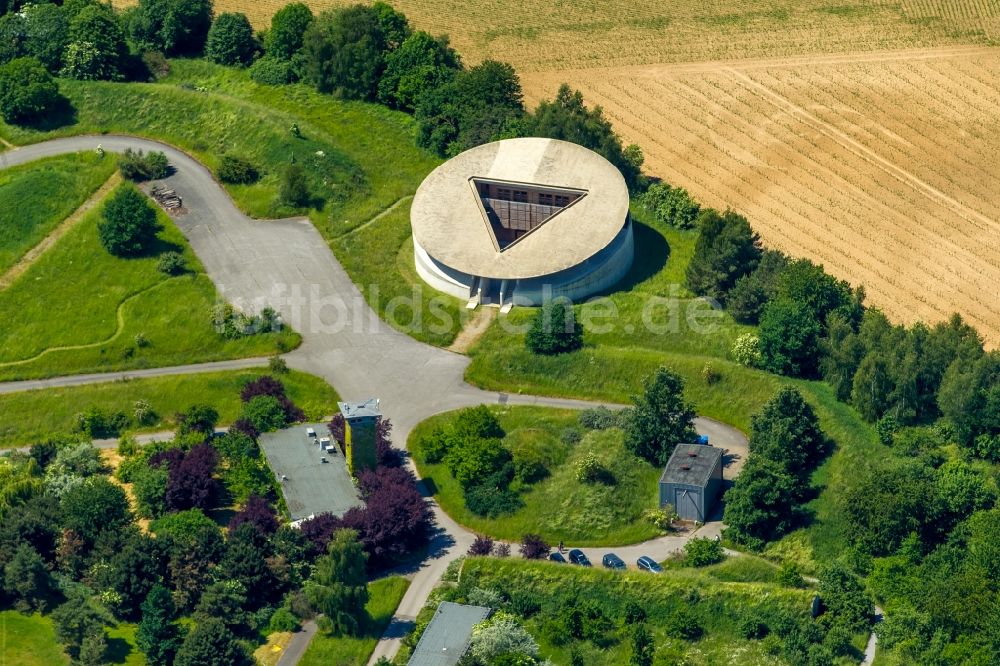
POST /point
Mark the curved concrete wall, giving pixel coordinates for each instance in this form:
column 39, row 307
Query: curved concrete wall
column 598, row 273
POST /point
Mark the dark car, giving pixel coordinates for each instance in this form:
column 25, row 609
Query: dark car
column 576, row 556
column 649, row 564
column 557, row 557
column 612, row 561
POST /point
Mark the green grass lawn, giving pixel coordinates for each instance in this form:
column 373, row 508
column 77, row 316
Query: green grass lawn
column 30, row 416
column 36, row 197
column 715, row 595
column 28, row 640
column 384, row 596
column 558, row 507
column 79, row 297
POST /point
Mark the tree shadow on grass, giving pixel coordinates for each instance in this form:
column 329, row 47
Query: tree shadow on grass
column 118, row 651
column 61, row 115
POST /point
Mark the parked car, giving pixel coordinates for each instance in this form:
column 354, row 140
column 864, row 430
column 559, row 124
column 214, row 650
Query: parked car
column 557, row 557
column 612, row 561
column 576, row 556
column 649, row 564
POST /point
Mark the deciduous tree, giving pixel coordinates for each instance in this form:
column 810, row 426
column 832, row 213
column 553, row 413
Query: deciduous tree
column 338, row 587
column 128, row 226
column 230, row 40
column 27, row 91
column 661, row 418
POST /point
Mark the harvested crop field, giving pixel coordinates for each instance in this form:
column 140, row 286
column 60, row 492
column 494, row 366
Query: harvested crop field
column 881, row 166
column 538, row 35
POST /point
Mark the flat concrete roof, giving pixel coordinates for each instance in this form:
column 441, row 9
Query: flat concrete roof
column 691, row 464
column 448, row 221
column 312, row 487
column 446, row 638
column 369, row 407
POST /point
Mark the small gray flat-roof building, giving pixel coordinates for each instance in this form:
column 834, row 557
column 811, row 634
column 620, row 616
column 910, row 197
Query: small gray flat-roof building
column 446, row 639
column 692, row 480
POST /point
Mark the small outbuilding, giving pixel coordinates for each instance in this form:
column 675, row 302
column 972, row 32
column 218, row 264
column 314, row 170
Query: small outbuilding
column 692, row 480
column 446, row 639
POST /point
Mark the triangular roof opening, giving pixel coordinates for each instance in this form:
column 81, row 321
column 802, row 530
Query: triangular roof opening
column 512, row 210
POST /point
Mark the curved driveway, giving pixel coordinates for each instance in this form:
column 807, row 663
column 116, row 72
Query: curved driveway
column 287, row 265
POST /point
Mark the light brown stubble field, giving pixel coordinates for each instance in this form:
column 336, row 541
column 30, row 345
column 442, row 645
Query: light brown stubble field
column 860, row 134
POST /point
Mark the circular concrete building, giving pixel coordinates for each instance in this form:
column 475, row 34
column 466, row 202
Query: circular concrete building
column 520, row 221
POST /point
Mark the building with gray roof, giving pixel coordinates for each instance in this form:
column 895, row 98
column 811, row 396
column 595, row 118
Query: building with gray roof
column 692, row 480
column 446, row 639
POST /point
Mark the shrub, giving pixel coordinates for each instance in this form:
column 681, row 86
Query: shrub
column 171, row 263
column 700, row 552
column 271, row 71
column 791, row 575
column 554, row 330
column 27, row 91
column 128, row 226
column 237, row 170
column 710, row 374
column 533, row 547
column 589, row 469
column 294, row 188
column 570, row 436
column 198, row 418
column 277, row 365
column 598, row 418
column 501, row 550
column 671, row 205
column 97, row 423
column 265, row 413
column 662, row 518
column 682, row 623
column 230, row 40
column 137, row 166
column 490, row 501
column 283, row 620
column 483, row 545
column 746, row 350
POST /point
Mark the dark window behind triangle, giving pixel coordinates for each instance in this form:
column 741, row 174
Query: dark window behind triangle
column 513, row 210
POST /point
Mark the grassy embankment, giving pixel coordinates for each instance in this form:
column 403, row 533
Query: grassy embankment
column 360, row 159
column 613, row 363
column 36, row 197
column 29, row 416
column 384, row 596
column 79, row 309
column 558, row 506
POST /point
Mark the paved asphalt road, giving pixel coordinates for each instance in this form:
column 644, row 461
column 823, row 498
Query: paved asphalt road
column 285, row 264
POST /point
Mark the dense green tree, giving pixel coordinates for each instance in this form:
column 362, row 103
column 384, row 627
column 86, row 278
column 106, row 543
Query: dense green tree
column 479, row 105
column 841, row 353
column 133, row 571
column 75, row 620
column 230, row 40
column 394, row 25
column 661, row 419
column 97, row 49
column 13, row 35
column 845, row 598
column 477, row 422
column 265, row 413
column 969, row 396
column 887, row 502
column 338, row 587
column 199, row 418
column 27, row 91
column 128, row 225
column 786, row 430
column 566, row 118
column 789, row 338
column 726, row 250
column 808, row 284
column 420, row 64
column 227, row 600
column 46, row 31
column 288, row 25
column 157, row 635
column 554, row 330
column 211, row 643
column 873, row 384
column 344, row 52
column 963, row 489
column 472, row 461
column 34, row 523
column 763, row 503
column 175, row 27
column 751, row 292
column 27, row 579
column 95, row 505
column 247, row 550
column 93, row 650
column 149, row 485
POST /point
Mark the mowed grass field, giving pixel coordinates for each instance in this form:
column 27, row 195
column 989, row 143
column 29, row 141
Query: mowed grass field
column 36, row 197
column 30, row 416
column 537, row 35
column 80, row 309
